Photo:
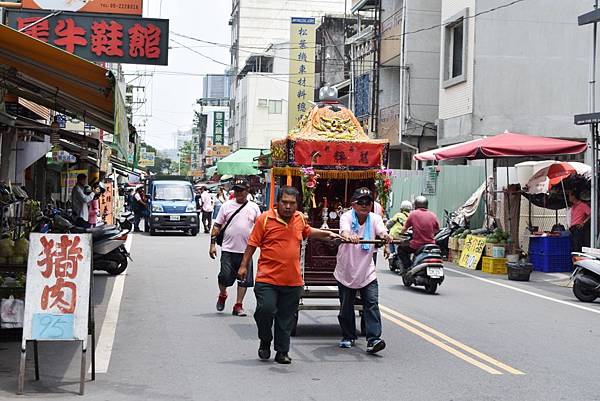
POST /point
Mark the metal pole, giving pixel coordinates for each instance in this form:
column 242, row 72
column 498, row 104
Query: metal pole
column 593, row 130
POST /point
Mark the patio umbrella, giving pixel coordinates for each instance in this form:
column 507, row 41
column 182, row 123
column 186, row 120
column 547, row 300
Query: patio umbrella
column 503, row 145
column 555, row 173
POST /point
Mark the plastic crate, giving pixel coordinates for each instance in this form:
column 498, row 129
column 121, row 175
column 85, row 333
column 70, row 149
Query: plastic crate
column 493, row 265
column 554, row 245
column 551, row 263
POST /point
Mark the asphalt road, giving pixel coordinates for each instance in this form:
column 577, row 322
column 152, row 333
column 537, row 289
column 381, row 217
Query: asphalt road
column 481, row 338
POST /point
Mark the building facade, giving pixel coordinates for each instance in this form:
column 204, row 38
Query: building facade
column 522, row 68
column 256, row 25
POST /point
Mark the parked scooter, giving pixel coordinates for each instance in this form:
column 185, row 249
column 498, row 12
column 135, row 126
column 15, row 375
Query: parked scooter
column 453, row 223
column 426, row 269
column 110, row 254
column 586, row 277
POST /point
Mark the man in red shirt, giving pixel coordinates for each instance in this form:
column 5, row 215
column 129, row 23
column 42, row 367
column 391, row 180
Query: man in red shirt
column 424, row 224
column 580, row 223
column 279, row 234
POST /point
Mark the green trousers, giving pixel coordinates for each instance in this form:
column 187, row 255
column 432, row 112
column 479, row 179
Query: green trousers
column 276, row 304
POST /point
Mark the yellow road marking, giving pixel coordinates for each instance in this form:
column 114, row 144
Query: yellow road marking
column 394, row 316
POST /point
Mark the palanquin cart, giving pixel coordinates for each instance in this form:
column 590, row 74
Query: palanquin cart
column 326, row 156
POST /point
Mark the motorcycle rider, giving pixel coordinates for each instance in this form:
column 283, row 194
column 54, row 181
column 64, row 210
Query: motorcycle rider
column 396, row 223
column 424, row 224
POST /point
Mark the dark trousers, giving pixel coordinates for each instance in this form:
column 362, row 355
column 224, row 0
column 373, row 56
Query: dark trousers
column 580, row 237
column 404, row 251
column 137, row 217
column 277, row 304
column 207, row 220
column 369, row 296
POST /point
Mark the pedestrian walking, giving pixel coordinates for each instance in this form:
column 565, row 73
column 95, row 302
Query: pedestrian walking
column 219, row 199
column 355, row 271
column 234, row 223
column 206, row 203
column 278, row 233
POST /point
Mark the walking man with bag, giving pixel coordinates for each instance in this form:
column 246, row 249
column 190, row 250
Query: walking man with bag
column 279, row 234
column 231, row 230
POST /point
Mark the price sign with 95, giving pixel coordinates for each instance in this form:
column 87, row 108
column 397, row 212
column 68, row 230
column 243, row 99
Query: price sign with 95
column 48, row 326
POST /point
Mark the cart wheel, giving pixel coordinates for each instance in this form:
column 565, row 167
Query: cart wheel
column 295, row 324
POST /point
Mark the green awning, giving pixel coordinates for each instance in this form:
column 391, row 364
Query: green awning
column 241, row 162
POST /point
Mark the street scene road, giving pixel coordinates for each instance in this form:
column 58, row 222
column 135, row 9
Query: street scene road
column 480, row 338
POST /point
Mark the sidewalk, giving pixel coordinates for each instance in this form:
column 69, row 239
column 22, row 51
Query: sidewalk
column 558, row 279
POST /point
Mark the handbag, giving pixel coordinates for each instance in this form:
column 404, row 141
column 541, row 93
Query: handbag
column 219, row 238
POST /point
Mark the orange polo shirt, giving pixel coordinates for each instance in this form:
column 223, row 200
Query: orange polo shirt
column 279, row 243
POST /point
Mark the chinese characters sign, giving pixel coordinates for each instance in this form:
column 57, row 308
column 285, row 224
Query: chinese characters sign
column 133, row 7
column 472, row 251
column 302, row 68
column 219, row 128
column 336, row 153
column 58, row 285
column 97, row 37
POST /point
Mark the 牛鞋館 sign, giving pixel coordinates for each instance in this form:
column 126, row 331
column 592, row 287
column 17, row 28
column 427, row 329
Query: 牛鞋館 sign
column 98, row 37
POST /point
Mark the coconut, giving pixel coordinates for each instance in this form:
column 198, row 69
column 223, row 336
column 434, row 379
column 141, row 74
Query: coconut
column 7, row 247
column 21, row 247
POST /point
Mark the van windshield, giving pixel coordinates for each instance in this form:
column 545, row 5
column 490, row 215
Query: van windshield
column 173, row 192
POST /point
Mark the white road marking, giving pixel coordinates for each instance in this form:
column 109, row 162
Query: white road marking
column 109, row 326
column 533, row 294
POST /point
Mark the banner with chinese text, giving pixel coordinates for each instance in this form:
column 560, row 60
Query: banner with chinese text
column 97, row 37
column 337, row 153
column 133, row 7
column 219, row 128
column 302, row 68
column 58, row 287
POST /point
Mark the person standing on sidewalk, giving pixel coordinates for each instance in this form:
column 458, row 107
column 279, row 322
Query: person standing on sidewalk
column 355, row 271
column 279, row 234
column 236, row 217
column 580, row 223
column 207, row 208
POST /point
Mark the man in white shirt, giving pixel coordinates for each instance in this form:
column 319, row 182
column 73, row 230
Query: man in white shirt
column 206, row 204
column 235, row 240
column 80, row 197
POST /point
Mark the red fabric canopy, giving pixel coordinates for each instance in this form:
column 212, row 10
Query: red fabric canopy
column 505, row 145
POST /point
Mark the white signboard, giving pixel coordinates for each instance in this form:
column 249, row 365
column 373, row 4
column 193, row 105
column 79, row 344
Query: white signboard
column 58, row 288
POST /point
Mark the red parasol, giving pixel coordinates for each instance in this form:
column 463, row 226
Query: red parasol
column 505, row 145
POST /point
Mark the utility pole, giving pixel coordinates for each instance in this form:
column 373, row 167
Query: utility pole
column 592, row 119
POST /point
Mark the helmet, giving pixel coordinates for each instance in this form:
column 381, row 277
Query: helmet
column 421, row 202
column 406, row 205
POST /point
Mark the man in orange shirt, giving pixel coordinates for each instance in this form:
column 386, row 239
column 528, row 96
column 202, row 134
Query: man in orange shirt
column 279, row 234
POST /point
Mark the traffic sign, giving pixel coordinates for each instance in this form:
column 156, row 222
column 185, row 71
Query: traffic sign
column 586, row 119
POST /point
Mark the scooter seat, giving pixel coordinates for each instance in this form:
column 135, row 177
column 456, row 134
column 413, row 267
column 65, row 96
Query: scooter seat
column 428, row 248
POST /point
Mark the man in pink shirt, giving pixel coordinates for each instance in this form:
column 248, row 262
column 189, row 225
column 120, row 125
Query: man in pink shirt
column 355, row 271
column 424, row 224
column 236, row 217
column 580, row 219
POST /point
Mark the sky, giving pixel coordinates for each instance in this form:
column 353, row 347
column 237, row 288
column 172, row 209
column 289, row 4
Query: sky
column 171, row 95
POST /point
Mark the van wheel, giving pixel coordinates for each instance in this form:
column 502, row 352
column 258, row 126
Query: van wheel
column 194, row 232
column 152, row 232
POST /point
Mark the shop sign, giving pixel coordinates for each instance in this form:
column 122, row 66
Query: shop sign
column 58, row 287
column 302, row 68
column 219, row 128
column 68, row 179
column 147, row 159
column 133, row 7
column 472, row 251
column 96, row 37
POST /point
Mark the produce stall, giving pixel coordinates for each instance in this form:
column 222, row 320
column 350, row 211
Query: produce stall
column 18, row 215
column 327, row 156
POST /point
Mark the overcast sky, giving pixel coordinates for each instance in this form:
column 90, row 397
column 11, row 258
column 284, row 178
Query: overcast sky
column 171, row 95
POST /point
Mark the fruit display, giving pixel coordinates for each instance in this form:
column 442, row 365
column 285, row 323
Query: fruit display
column 498, row 237
column 13, row 252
